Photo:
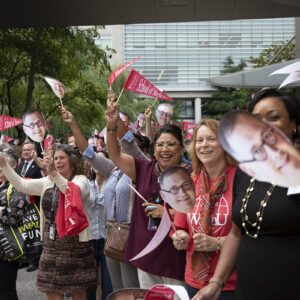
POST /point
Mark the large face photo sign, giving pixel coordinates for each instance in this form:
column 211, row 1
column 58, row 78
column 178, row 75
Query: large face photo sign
column 34, row 125
column 177, row 189
column 57, row 87
column 262, row 150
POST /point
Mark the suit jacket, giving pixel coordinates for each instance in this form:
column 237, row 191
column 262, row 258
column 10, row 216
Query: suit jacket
column 32, row 172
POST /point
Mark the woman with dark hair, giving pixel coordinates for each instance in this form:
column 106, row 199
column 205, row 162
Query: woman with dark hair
column 263, row 243
column 165, row 264
column 11, row 213
column 202, row 231
column 67, row 264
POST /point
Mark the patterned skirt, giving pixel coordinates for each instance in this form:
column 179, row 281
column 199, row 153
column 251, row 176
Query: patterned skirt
column 66, row 265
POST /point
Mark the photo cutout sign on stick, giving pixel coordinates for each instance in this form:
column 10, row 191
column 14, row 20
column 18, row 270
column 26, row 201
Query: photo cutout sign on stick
column 57, row 87
column 261, row 150
column 34, row 125
column 177, row 188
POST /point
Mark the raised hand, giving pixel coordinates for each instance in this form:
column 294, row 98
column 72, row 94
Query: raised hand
column 148, row 113
column 49, row 164
column 67, row 116
column 112, row 116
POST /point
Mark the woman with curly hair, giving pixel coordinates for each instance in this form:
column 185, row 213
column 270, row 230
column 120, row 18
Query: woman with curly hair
column 67, row 264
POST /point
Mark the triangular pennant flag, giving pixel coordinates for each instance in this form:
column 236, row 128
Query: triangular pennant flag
column 139, row 84
column 118, row 71
column 8, row 122
column 188, row 125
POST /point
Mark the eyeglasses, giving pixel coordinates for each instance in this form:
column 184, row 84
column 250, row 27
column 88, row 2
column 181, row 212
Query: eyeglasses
column 169, row 145
column 186, row 186
column 162, row 113
column 39, row 124
column 259, row 153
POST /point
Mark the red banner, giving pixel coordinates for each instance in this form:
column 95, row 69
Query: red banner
column 118, row 71
column 188, row 125
column 8, row 122
column 139, row 84
column 47, row 143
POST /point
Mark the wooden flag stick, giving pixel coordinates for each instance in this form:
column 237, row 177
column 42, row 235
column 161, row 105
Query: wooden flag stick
column 189, row 219
column 137, row 193
column 154, row 101
column 61, row 103
column 42, row 146
column 120, row 95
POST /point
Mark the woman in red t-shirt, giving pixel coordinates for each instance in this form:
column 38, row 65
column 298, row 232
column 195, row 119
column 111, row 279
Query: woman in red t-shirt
column 203, row 230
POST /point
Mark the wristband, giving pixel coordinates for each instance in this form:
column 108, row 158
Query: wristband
column 218, row 281
column 111, row 130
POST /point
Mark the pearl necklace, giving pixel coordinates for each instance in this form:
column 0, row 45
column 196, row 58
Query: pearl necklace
column 259, row 213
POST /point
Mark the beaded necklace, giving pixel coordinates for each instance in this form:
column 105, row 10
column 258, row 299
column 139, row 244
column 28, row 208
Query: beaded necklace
column 259, row 213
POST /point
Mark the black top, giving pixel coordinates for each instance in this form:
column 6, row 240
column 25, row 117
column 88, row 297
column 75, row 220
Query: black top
column 268, row 267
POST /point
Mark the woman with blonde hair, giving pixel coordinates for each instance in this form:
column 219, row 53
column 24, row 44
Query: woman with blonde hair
column 203, row 230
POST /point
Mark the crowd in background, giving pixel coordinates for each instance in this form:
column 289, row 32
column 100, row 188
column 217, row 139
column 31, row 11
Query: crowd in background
column 235, row 237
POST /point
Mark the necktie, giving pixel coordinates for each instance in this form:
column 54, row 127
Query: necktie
column 24, row 169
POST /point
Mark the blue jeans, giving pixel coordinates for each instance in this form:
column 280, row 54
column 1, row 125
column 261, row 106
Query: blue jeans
column 105, row 278
column 225, row 295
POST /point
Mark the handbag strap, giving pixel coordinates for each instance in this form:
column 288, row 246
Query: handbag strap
column 53, row 203
column 115, row 202
column 8, row 193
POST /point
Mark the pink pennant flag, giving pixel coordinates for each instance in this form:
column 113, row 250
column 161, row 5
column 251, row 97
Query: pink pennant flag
column 57, row 87
column 118, row 71
column 188, row 125
column 160, row 234
column 8, row 122
column 7, row 139
column 137, row 83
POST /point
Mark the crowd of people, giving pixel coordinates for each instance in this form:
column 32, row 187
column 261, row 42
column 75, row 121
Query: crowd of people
column 233, row 236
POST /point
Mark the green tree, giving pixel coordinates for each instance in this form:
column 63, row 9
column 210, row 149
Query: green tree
column 68, row 54
column 224, row 99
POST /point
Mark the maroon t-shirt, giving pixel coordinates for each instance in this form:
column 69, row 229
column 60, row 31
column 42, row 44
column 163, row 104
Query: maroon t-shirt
column 165, row 260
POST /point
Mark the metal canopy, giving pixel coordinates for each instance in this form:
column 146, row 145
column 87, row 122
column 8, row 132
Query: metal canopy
column 256, row 78
column 16, row 13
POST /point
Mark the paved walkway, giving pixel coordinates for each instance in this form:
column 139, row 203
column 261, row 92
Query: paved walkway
column 26, row 286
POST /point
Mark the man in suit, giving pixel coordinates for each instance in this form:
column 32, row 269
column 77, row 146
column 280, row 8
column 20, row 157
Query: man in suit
column 29, row 169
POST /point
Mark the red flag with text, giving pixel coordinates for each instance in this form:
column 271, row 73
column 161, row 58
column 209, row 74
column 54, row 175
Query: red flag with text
column 188, row 125
column 8, row 122
column 7, row 139
column 139, row 84
column 118, row 71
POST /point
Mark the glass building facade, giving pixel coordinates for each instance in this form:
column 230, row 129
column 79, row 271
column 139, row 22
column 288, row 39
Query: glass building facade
column 181, row 56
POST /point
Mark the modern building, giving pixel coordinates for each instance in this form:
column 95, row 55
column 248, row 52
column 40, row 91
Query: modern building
column 180, row 57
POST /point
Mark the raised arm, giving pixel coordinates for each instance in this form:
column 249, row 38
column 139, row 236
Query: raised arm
column 225, row 266
column 100, row 163
column 123, row 161
column 148, row 116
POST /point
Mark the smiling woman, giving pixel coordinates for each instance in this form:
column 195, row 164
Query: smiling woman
column 157, row 267
column 209, row 222
column 263, row 244
column 67, row 262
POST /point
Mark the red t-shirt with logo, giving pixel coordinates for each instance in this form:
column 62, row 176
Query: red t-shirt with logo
column 221, row 220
